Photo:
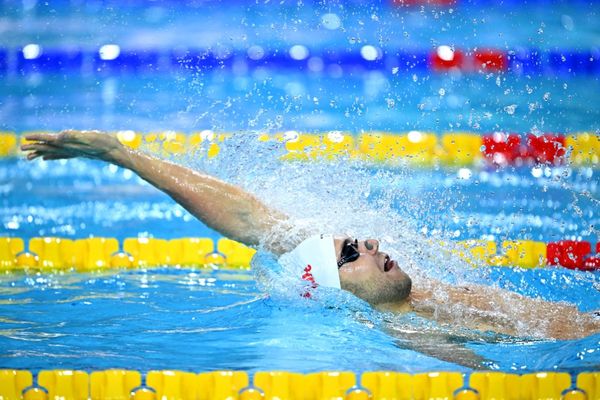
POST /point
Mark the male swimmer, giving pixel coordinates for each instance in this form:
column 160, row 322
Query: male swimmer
column 341, row 262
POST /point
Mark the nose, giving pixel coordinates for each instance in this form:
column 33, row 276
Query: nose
column 371, row 246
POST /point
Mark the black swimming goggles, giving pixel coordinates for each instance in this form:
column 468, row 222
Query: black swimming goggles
column 349, row 252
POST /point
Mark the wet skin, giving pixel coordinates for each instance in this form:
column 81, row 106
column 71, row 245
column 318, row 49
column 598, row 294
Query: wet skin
column 372, row 265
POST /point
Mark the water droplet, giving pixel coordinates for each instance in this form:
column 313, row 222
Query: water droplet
column 510, row 110
column 331, row 21
column 567, row 22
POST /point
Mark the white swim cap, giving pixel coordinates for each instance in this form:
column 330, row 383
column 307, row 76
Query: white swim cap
column 316, row 258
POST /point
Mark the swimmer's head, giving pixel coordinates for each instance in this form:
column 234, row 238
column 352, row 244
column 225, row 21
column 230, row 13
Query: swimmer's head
column 368, row 273
column 356, row 266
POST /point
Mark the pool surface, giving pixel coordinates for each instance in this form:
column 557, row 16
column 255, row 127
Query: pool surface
column 237, row 319
column 199, row 319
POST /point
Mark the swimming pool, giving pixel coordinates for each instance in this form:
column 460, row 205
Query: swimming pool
column 198, row 320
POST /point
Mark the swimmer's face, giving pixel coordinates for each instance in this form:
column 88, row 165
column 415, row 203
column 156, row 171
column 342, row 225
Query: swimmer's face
column 373, row 276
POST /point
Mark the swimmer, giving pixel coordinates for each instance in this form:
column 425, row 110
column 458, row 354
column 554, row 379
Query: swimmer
column 338, row 261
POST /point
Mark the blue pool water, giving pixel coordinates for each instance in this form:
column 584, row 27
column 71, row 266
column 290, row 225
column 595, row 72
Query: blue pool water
column 201, row 320
column 277, row 101
column 190, row 320
column 197, row 320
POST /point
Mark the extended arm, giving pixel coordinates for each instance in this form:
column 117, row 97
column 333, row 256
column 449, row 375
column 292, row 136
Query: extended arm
column 441, row 345
column 228, row 209
column 503, row 311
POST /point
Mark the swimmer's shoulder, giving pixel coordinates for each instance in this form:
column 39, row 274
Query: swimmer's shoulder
column 286, row 235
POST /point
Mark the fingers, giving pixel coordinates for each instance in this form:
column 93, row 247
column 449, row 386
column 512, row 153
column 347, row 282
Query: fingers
column 46, row 151
column 52, row 146
column 38, row 147
column 33, row 155
column 41, row 137
column 65, row 135
column 68, row 144
column 37, row 154
column 56, row 157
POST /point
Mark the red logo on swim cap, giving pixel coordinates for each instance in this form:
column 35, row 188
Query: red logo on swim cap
column 308, row 276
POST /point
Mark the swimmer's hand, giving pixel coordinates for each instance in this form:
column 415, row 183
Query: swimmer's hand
column 70, row 144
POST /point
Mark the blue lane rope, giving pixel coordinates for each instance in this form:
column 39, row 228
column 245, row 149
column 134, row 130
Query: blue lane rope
column 54, row 60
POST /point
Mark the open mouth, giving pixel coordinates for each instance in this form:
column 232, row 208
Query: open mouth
column 389, row 264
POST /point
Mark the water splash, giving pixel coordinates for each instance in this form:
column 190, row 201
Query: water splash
column 345, row 197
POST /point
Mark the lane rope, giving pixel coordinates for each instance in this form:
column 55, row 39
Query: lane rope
column 112, row 59
column 90, row 254
column 413, row 148
column 343, row 385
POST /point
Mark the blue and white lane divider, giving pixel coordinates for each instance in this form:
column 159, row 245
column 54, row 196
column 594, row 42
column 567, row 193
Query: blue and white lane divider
column 111, row 58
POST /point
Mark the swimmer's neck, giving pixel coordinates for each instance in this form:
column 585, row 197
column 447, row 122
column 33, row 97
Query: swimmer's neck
column 399, row 307
column 413, row 303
